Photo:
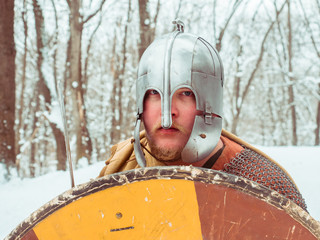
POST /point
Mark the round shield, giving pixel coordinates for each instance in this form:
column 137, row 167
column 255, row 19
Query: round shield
column 169, row 203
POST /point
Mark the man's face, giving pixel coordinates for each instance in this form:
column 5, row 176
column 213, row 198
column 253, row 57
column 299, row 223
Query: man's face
column 167, row 144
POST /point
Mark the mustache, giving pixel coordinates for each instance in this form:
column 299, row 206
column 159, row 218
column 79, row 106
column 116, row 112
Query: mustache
column 174, row 125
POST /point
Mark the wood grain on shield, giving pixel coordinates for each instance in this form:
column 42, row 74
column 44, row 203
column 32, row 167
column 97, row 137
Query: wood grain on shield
column 227, row 213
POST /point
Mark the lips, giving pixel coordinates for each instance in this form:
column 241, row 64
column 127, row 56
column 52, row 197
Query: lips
column 169, row 130
column 174, row 129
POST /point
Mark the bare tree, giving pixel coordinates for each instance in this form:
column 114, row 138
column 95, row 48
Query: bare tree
column 114, row 67
column 224, row 28
column 87, row 58
column 57, row 132
column 7, row 84
column 118, row 69
column 23, row 84
column 147, row 25
column 314, row 44
column 35, row 127
column 257, row 63
column 235, row 96
column 43, row 89
column 291, row 80
column 239, row 102
column 74, row 78
column 317, row 130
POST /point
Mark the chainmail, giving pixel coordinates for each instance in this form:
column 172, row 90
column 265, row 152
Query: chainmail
column 255, row 167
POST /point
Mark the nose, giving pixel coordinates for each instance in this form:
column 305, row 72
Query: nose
column 166, row 118
column 174, row 108
column 169, row 116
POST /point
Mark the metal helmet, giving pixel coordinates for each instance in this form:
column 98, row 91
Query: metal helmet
column 181, row 60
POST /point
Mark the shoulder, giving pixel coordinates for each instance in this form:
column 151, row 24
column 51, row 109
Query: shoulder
column 255, row 165
column 122, row 157
column 246, row 145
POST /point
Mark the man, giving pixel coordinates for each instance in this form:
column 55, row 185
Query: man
column 179, row 100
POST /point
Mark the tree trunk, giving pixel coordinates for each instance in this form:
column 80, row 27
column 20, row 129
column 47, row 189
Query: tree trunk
column 23, row 84
column 58, row 134
column 236, row 93
column 74, row 82
column 146, row 31
column 114, row 65
column 43, row 88
column 317, row 130
column 123, row 70
column 7, row 84
column 35, row 128
column 242, row 97
column 38, row 87
column 314, row 44
column 73, row 79
column 83, row 140
column 291, row 80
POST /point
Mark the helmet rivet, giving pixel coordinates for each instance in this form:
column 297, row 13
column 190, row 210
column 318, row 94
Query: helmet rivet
column 203, row 135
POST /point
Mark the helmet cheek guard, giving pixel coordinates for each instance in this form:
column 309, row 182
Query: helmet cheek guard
column 181, row 60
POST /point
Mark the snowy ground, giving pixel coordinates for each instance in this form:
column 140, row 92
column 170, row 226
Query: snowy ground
column 19, row 198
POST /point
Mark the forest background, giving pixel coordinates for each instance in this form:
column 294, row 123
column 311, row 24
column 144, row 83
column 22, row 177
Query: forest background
column 91, row 49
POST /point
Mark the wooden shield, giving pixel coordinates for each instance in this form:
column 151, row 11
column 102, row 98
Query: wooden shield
column 169, row 203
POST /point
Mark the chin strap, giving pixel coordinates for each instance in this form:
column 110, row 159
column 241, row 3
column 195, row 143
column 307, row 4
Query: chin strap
column 136, row 145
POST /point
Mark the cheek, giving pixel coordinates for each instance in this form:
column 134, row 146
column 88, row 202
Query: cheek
column 191, row 120
column 190, row 116
column 151, row 113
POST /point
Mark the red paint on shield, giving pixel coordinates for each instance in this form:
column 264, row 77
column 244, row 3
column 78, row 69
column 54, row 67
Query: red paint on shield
column 30, row 236
column 227, row 213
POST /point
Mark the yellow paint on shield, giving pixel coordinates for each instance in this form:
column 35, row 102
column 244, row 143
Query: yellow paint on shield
column 153, row 209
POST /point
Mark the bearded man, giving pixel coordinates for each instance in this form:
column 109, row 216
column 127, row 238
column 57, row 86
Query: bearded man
column 179, row 101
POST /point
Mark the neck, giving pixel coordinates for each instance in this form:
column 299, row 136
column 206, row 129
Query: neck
column 198, row 163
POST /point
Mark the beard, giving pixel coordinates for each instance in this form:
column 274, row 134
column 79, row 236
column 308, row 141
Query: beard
column 165, row 153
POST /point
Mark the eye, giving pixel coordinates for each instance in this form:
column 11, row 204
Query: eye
column 187, row 93
column 153, row 92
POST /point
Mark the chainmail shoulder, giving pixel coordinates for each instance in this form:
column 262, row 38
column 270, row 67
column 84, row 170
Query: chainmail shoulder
column 255, row 167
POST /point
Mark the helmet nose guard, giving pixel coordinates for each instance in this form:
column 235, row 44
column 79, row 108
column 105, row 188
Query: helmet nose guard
column 175, row 61
column 166, row 119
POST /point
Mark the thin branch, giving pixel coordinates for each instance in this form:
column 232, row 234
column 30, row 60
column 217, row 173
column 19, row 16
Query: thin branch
column 235, row 7
column 157, row 12
column 309, row 28
column 94, row 13
column 214, row 20
column 178, row 10
column 85, row 78
column 318, row 4
column 246, row 90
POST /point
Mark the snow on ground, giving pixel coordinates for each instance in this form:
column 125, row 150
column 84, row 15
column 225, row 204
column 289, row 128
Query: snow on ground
column 19, row 198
